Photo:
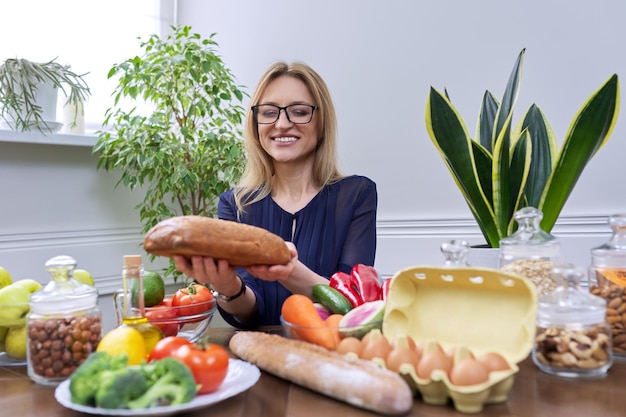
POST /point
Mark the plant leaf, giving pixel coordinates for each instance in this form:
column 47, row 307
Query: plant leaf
column 509, row 97
column 486, row 118
column 588, row 132
column 518, row 173
column 450, row 137
column 544, row 151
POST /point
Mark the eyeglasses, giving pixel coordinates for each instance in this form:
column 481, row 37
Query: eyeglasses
column 298, row 114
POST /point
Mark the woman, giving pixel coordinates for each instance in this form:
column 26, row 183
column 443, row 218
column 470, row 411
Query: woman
column 292, row 187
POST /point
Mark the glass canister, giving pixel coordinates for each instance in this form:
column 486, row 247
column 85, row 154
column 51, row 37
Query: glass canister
column 573, row 339
column 607, row 279
column 455, row 253
column 530, row 251
column 64, row 324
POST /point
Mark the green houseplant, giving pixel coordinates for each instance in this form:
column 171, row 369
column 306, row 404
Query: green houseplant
column 502, row 169
column 22, row 82
column 188, row 149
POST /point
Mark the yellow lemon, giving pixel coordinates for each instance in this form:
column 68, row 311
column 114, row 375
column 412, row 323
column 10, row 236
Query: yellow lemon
column 5, row 277
column 124, row 339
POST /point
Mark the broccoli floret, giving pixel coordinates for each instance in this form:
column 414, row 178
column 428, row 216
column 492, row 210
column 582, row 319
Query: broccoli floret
column 116, row 388
column 85, row 381
column 170, row 383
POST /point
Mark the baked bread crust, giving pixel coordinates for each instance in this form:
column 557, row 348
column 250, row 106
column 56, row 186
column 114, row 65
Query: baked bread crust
column 358, row 382
column 240, row 244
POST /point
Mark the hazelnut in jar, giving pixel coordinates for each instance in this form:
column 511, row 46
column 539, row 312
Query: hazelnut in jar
column 64, row 324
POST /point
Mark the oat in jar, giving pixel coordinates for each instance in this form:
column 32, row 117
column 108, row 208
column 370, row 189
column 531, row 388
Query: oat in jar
column 531, row 252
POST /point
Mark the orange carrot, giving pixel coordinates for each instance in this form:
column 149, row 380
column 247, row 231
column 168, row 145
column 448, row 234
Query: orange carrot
column 300, row 311
column 332, row 322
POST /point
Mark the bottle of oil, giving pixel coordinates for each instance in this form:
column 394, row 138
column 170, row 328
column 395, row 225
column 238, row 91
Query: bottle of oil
column 133, row 308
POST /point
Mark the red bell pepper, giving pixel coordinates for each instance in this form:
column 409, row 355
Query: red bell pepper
column 365, row 279
column 385, row 288
column 341, row 282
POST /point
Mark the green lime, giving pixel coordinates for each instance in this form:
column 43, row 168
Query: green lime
column 153, row 289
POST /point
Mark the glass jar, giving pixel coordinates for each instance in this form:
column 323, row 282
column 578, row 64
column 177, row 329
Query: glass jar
column 64, row 324
column 530, row 251
column 573, row 339
column 607, row 279
column 455, row 253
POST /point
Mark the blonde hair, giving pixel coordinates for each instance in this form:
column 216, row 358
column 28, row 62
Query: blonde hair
column 255, row 183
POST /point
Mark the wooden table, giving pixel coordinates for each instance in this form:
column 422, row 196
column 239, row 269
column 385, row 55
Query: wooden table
column 534, row 394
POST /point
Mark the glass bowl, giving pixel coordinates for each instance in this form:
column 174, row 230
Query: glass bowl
column 179, row 321
column 13, row 333
column 312, row 334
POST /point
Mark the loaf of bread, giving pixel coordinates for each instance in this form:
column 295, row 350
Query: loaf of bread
column 358, row 382
column 240, row 244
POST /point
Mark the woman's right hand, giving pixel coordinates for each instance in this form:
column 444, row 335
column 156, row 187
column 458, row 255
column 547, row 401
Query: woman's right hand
column 206, row 270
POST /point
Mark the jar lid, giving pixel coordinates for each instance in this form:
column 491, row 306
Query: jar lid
column 568, row 305
column 63, row 294
column 455, row 252
column 529, row 241
column 613, row 252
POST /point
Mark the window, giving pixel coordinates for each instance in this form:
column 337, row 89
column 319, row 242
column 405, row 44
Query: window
column 90, row 36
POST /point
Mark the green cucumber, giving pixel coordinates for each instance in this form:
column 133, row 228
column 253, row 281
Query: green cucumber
column 331, row 299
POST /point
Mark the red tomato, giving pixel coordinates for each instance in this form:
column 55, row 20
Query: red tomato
column 167, row 347
column 164, row 318
column 167, row 301
column 194, row 298
column 209, row 365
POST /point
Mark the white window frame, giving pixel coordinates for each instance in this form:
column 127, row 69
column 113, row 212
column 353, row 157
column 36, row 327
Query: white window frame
column 90, row 36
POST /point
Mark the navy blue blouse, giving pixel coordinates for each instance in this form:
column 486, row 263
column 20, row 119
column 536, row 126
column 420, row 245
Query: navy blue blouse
column 335, row 231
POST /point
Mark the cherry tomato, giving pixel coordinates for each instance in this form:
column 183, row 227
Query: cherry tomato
column 209, row 364
column 167, row 347
column 164, row 317
column 193, row 299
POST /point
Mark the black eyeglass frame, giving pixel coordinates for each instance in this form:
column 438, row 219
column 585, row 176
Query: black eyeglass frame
column 256, row 108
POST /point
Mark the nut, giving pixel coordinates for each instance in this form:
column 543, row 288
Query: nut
column 615, row 296
column 57, row 346
column 576, row 349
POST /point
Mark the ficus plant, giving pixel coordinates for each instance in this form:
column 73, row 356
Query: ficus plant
column 188, row 149
column 504, row 168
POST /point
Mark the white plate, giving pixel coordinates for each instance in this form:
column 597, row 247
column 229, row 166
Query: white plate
column 241, row 376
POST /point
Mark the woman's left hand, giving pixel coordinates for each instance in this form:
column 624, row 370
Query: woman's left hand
column 276, row 272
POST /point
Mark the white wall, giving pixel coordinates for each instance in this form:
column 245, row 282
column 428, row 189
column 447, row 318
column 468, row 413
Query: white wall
column 380, row 58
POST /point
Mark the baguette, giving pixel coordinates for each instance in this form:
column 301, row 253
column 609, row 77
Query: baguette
column 358, row 382
column 240, row 244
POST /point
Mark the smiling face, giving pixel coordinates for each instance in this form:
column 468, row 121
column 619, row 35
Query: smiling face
column 284, row 141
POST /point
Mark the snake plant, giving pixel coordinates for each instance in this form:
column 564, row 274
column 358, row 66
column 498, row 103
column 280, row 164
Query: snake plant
column 504, row 169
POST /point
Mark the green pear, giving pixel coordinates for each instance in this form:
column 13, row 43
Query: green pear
column 28, row 284
column 83, row 276
column 13, row 305
column 15, row 342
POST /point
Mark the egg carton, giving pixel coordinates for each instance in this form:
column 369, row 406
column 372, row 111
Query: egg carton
column 471, row 310
column 439, row 390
